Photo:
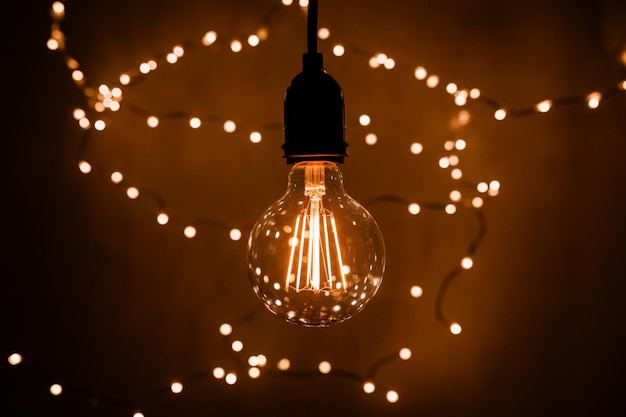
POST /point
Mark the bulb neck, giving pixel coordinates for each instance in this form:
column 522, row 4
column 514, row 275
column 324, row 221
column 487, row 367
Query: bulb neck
column 316, row 179
column 314, row 115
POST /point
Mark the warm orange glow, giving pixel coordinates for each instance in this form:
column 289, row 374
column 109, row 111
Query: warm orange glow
column 432, row 81
column 323, row 33
column 450, row 209
column 460, row 144
column 219, row 373
column 253, row 40
column 339, row 50
column 235, row 234
column 84, row 123
column 455, row 195
column 58, row 8
column 52, row 44
column 176, row 387
column 283, row 364
column 324, row 367
column 190, row 232
column 467, row 262
column 369, row 387
column 420, row 73
column 132, row 192
column 455, row 328
column 209, row 38
column 405, row 354
column 477, row 202
column 389, row 63
column 456, row 174
column 451, row 88
column 99, row 125
column 392, row 396
column 371, row 139
column 15, row 359
column 144, row 68
column 448, row 145
column 236, row 45
column 500, row 114
column 78, row 114
column 125, row 79
column 229, row 126
column 255, row 137
column 593, row 100
column 237, row 346
column 231, row 378
column 163, row 219
column 544, row 106
column 195, row 122
column 364, row 120
column 84, row 167
column 171, row 58
column 416, row 291
column 254, row 372
column 226, row 329
column 77, row 75
column 482, row 187
column 152, row 121
column 116, row 177
column 56, row 389
column 414, row 208
column 138, row 414
column 444, row 162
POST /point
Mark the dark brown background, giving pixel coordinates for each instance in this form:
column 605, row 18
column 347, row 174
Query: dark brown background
column 103, row 299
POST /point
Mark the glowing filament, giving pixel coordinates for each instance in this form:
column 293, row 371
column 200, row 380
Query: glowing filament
column 315, row 260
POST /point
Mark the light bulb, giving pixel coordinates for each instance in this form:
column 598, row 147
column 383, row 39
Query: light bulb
column 316, row 256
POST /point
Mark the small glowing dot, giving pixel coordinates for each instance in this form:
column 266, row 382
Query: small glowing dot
column 52, row 44
column 77, row 75
column 125, row 79
column 235, row 234
column 500, row 114
column 455, row 328
column 482, row 187
column 364, row 120
column 416, row 148
column 237, row 346
column 339, row 50
column 209, row 38
column 99, row 125
column 287, row 2
column 593, row 100
column 152, row 121
column 450, row 209
column 226, row 329
column 381, row 58
column 78, row 114
column 114, row 106
column 622, row 84
column 84, row 167
column 162, row 219
column 414, row 208
column 369, row 387
column 218, row 372
column 460, row 98
column 56, row 389
column 464, row 117
column 373, row 62
column 456, row 174
column 474, row 93
column 416, row 291
column 190, row 232
column 171, row 58
column 255, row 137
column 152, row 64
column 455, row 195
column 390, row 63
column 144, row 68
column 544, row 106
column 324, row 367
column 138, row 414
column 444, row 162
column 262, row 359
column 253, row 40
column 303, row 3
column 178, row 50
column 432, row 81
column 99, row 107
column 454, row 160
column 195, row 122
column 392, row 396
column 420, row 73
column 492, row 192
column 477, row 202
column 254, row 372
column 132, row 192
column 84, row 123
column 103, row 89
column 231, row 378
column 467, row 262
column 283, row 364
column 448, row 145
column 176, row 387
column 235, row 45
column 253, row 361
column 262, row 33
column 405, row 354
column 229, row 126
column 451, row 88
column 460, row 144
column 371, row 139
column 58, row 8
column 494, row 185
column 15, row 359
column 323, row 33
column 116, row 177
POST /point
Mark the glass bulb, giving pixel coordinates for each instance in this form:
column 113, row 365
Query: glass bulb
column 316, row 256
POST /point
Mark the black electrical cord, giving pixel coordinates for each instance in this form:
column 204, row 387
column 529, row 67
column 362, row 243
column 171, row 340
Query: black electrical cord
column 312, row 28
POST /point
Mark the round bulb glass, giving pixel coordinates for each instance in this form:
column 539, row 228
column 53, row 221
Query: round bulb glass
column 316, row 256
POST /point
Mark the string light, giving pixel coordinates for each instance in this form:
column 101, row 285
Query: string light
column 110, row 99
